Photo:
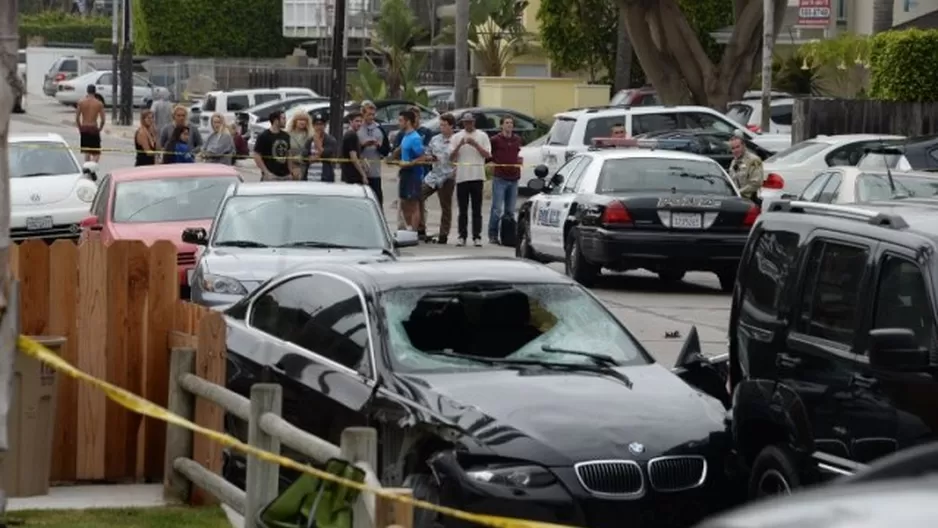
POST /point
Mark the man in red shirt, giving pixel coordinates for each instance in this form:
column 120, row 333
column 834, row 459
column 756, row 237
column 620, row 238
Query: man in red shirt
column 506, row 172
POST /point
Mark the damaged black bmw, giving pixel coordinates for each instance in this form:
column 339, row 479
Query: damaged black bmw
column 497, row 386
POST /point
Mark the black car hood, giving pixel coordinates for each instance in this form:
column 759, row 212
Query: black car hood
column 557, row 418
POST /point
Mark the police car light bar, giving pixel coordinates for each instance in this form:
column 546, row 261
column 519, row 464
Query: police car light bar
column 668, row 144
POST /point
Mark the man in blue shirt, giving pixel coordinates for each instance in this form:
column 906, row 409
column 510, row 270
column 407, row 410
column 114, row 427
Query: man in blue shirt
column 425, row 136
column 410, row 176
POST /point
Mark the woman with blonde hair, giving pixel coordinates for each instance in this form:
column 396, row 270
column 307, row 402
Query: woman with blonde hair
column 145, row 140
column 300, row 133
column 219, row 145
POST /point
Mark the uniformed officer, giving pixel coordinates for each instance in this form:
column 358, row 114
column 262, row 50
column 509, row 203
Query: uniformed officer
column 746, row 170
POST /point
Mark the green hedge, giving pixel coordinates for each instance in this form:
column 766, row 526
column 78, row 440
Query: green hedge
column 102, row 46
column 904, row 65
column 210, row 28
column 61, row 27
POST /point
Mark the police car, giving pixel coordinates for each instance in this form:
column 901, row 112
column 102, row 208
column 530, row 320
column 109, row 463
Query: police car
column 636, row 204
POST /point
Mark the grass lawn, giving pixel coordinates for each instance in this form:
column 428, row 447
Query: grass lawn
column 165, row 517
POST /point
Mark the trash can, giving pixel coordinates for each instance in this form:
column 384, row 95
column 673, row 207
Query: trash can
column 31, row 424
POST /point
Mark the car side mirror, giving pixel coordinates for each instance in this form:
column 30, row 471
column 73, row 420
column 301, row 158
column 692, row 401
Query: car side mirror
column 536, row 185
column 405, row 238
column 541, row 171
column 90, row 223
column 195, row 235
column 897, row 349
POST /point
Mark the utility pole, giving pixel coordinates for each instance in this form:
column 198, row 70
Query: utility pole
column 461, row 81
column 115, row 30
column 127, row 68
column 9, row 43
column 768, row 48
column 337, row 97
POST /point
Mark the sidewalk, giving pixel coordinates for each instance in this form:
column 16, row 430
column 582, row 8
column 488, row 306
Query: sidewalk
column 93, row 496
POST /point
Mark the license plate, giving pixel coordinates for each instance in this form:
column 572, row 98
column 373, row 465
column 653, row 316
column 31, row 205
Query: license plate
column 686, row 220
column 36, row 223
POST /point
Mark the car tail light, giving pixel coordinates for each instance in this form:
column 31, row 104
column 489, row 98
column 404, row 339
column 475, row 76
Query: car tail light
column 773, row 181
column 751, row 215
column 59, row 77
column 616, row 213
column 754, row 128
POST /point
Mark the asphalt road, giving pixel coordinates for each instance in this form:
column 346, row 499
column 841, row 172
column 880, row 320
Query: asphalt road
column 650, row 309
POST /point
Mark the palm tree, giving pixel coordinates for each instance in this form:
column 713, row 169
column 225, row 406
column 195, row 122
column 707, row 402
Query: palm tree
column 396, row 32
column 882, row 15
column 496, row 34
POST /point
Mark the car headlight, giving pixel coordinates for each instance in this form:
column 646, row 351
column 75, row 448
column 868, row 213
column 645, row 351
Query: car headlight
column 514, row 476
column 221, row 284
column 85, row 193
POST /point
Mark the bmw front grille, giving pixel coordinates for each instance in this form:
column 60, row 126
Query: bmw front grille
column 677, row 473
column 611, row 478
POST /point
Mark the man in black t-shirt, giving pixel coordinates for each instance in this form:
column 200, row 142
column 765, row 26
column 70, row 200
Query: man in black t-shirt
column 272, row 150
column 354, row 169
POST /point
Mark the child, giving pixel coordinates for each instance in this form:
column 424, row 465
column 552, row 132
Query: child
column 178, row 147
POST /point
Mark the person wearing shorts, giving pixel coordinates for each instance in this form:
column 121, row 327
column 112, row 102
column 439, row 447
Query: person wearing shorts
column 90, row 119
column 410, row 177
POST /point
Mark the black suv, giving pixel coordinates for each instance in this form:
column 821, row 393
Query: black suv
column 833, row 346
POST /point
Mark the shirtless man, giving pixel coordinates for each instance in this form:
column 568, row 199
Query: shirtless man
column 89, row 116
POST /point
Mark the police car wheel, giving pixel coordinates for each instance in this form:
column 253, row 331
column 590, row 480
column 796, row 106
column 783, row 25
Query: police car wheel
column 576, row 265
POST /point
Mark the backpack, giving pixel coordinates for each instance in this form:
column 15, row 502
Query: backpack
column 508, row 230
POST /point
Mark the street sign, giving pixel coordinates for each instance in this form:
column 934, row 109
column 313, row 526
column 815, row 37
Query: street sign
column 814, row 13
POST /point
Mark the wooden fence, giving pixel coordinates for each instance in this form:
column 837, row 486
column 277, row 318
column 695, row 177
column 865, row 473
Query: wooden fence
column 118, row 306
column 814, row 116
column 196, row 480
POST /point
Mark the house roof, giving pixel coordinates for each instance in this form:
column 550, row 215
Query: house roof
column 926, row 21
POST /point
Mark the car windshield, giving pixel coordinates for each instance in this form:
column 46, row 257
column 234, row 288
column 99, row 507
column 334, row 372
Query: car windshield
column 301, row 220
column 798, row 153
column 883, row 160
column 445, row 328
column 872, row 187
column 209, row 104
column 45, row 158
column 169, row 199
column 561, row 131
column 663, row 175
column 739, row 113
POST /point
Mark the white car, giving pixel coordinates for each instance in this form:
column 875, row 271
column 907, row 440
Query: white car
column 845, row 185
column 310, row 108
column 574, row 130
column 789, row 171
column 50, row 193
column 71, row 91
column 749, row 114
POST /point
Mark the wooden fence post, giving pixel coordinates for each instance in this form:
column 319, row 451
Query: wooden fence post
column 360, row 444
column 179, row 440
column 263, row 478
column 391, row 513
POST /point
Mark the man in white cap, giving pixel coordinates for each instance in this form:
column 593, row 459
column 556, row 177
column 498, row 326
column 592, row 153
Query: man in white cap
column 470, row 148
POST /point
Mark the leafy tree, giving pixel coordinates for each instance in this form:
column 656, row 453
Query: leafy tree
column 580, row 34
column 676, row 60
column 496, row 34
column 396, row 32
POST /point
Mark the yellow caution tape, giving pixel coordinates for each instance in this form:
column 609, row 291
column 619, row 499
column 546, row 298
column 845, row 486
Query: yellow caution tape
column 142, row 406
column 251, row 156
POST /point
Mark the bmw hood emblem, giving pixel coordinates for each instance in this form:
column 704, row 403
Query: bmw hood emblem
column 35, row 197
column 636, row 448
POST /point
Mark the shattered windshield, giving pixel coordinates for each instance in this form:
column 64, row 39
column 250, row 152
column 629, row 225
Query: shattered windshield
column 445, row 329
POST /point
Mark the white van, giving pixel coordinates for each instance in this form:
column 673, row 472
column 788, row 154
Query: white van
column 227, row 103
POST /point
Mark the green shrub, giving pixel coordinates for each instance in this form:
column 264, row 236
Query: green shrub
column 56, row 26
column 210, row 28
column 102, row 46
column 904, row 65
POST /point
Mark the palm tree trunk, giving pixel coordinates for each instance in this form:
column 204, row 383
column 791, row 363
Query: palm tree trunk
column 882, row 15
column 461, row 83
column 623, row 74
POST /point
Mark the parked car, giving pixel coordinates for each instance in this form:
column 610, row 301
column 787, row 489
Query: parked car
column 442, row 98
column 261, row 113
column 227, row 103
column 436, row 355
column 789, row 171
column 713, row 144
column 749, row 113
column 262, row 229
column 644, row 96
column 844, row 185
column 489, row 119
column 157, row 202
column 636, row 207
column 63, row 69
column 71, row 91
column 831, row 339
column 574, row 130
column 915, row 153
column 50, row 193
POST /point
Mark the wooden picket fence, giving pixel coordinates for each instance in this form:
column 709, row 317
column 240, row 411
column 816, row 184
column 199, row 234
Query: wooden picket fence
column 118, row 307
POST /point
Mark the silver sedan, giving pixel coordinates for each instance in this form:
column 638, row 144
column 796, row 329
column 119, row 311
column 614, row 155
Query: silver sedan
column 842, row 185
